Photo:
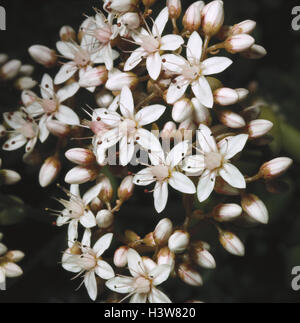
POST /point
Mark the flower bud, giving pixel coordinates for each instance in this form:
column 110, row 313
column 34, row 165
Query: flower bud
column 15, row 255
column 67, row 33
column 26, row 70
column 192, row 17
column 182, row 110
column 12, row 270
column 104, row 219
column 244, row 27
column 10, row 70
column 212, row 17
column 118, row 80
column 120, row 5
column 81, row 174
column 120, row 257
column 94, row 77
column 242, row 93
column 226, row 212
column 3, row 58
column 58, row 128
column 96, row 205
column 255, row 208
column 179, row 241
column 131, row 20
column 126, row 188
column 166, row 257
column 232, row 243
column 202, row 256
column 251, row 113
column 189, row 275
column 174, row 7
column 81, row 156
column 104, row 98
column 225, row 96
column 258, row 128
column 25, row 83
column 224, row 188
column 231, row 119
column 9, row 177
column 149, row 240
column 255, row 52
column 275, row 167
column 49, row 171
column 239, row 43
column 43, row 55
column 106, row 192
column 163, row 231
column 201, row 113
column 168, row 131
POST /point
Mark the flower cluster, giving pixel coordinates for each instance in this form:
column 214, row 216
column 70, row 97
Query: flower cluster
column 138, row 71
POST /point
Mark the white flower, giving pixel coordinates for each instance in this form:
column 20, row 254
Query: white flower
column 127, row 128
column 146, row 275
column 50, row 105
column 151, row 44
column 77, row 210
column 25, row 131
column 214, row 160
column 90, row 262
column 193, row 71
column 164, row 171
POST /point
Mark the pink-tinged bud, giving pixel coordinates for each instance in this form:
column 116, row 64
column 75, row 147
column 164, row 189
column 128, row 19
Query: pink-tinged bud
column 120, row 257
column 174, row 7
column 182, row 110
column 231, row 119
column 9, row 177
column 255, row 208
column 26, row 70
column 225, row 96
column 251, row 113
column 224, row 188
column 148, row 3
column 275, row 167
column 15, row 255
column 43, row 55
column 242, row 93
column 10, row 70
column 239, row 43
column 81, row 156
column 117, row 81
column 166, row 257
column 168, row 131
column 67, row 33
column 258, row 128
column 96, row 205
column 25, row 83
column 58, row 129
column 244, row 27
column 125, row 190
column 49, row 171
column 2, row 131
column 202, row 256
column 189, row 275
column 179, row 241
column 94, row 77
column 163, row 231
column 149, row 240
column 255, row 52
column 192, row 17
column 120, row 5
column 104, row 98
column 201, row 113
column 226, row 212
column 106, row 192
column 212, row 17
column 12, row 270
column 3, row 58
column 104, row 219
column 232, row 243
column 81, row 174
column 28, row 98
column 148, row 263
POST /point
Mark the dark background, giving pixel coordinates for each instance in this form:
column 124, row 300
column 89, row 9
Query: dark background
column 264, row 275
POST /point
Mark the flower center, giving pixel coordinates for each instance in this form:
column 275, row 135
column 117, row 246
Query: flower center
column 98, row 127
column 28, row 130
column 87, row 261
column 50, row 105
column 150, row 44
column 160, row 172
column 142, row 285
column 191, row 72
column 103, row 34
column 213, row 160
column 127, row 127
column 82, row 58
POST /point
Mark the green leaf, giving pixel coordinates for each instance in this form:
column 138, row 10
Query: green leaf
column 291, row 140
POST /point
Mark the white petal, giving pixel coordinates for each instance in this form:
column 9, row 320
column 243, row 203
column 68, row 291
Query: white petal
column 126, row 150
column 2, row 275
column 215, row 65
column 160, row 274
column 171, row 42
column 86, row 239
column 67, row 115
column 122, row 285
column 74, row 189
column 104, row 270
column 206, row 139
column 91, row 193
column 88, row 220
column 231, row 146
column 206, row 185
column 160, row 196
column 135, row 264
column 149, row 114
column 103, row 244
column 91, row 285
column 66, row 49
column 194, row 164
column 30, row 145
column 138, row 298
column 14, row 142
column 156, row 296
column 126, row 103
column 65, row 72
column 47, row 87
column 15, row 120
column 73, row 231
column 176, row 155
column 12, row 270
column 144, row 177
column 182, row 183
column 61, row 220
column 160, row 22
column 44, row 132
column 203, row 92
column 177, row 89
column 153, row 63
column 134, row 59
column 232, row 176
column 194, row 48
column 174, row 63
column 68, row 91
